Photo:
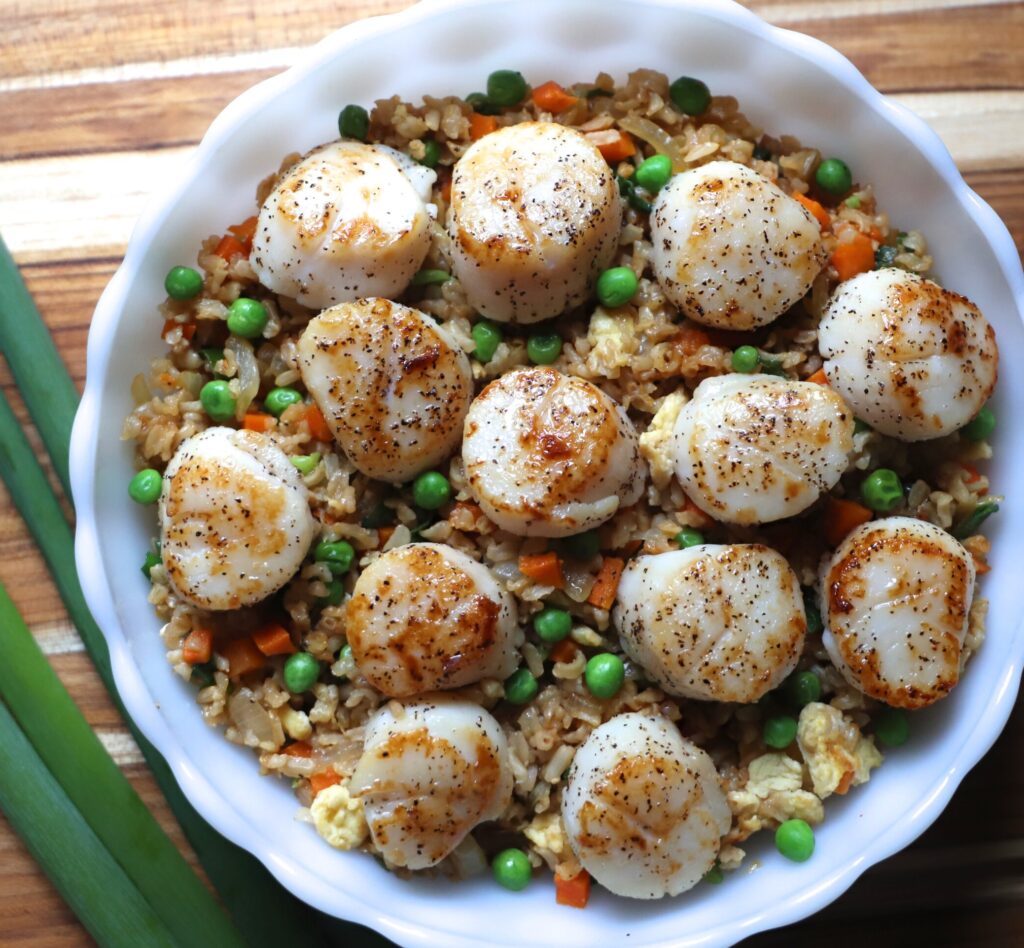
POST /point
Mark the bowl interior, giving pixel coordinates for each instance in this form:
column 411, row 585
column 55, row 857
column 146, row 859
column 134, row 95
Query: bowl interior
column 787, row 84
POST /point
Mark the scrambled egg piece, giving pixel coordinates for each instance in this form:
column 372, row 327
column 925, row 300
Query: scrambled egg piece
column 545, row 832
column 338, row 817
column 296, row 723
column 773, row 793
column 656, row 441
column 613, row 341
column 837, row 755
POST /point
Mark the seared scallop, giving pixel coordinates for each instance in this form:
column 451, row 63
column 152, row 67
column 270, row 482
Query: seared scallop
column 643, row 809
column 912, row 359
column 348, row 220
column 427, row 617
column 896, row 599
column 549, row 455
column 730, row 248
column 392, row 385
column 235, row 522
column 430, row 772
column 715, row 623
column 753, row 449
column 535, row 217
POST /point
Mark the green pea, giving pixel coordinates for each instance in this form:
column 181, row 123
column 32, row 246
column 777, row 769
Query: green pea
column 202, row 675
column 971, row 523
column 981, row 425
column 217, row 400
column 152, row 559
column 882, row 490
column 345, row 653
column 544, row 348
column 582, row 546
column 481, row 105
column 833, row 175
column 617, row 286
column 511, row 868
column 885, row 256
column 801, row 688
column 487, row 337
column 761, row 153
column 246, row 317
column 305, row 463
column 381, row 516
column 688, row 537
column 689, row 95
column 853, row 201
column 430, row 490
column 653, row 173
column 714, row 875
column 183, row 283
column 745, row 359
column 552, row 625
column 506, row 87
column 604, row 675
column 520, row 686
column 278, row 399
column 814, row 623
column 430, row 278
column 338, row 556
column 300, row 672
column 145, row 486
column 431, row 153
column 335, row 593
column 780, row 732
column 354, row 122
column 892, row 727
column 795, row 840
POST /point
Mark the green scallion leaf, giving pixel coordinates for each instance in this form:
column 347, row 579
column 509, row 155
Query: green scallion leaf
column 970, row 524
column 87, row 876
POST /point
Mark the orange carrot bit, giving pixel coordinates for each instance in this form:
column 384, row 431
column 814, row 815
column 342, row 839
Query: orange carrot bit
column 299, row 749
column 819, row 212
column 841, row 517
column 480, row 125
column 197, row 649
column 606, row 585
column 690, row 340
column 980, row 566
column 573, row 892
column 613, row 144
column 258, row 421
column 818, row 378
column 384, row 534
column 273, row 639
column 446, row 191
column 543, row 568
column 322, row 780
column 245, row 232
column 188, row 330
column 564, row 651
column 464, row 516
column 972, row 474
column 243, row 657
column 853, row 257
column 230, row 246
column 317, row 424
column 703, row 520
column 551, row 97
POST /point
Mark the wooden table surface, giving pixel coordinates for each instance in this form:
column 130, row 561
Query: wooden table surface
column 101, row 99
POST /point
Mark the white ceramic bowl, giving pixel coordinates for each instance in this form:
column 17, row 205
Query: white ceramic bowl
column 786, row 82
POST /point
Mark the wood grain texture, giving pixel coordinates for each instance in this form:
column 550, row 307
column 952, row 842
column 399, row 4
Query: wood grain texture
column 99, row 99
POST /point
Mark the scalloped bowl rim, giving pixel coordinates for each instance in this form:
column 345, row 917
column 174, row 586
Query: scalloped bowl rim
column 210, row 803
